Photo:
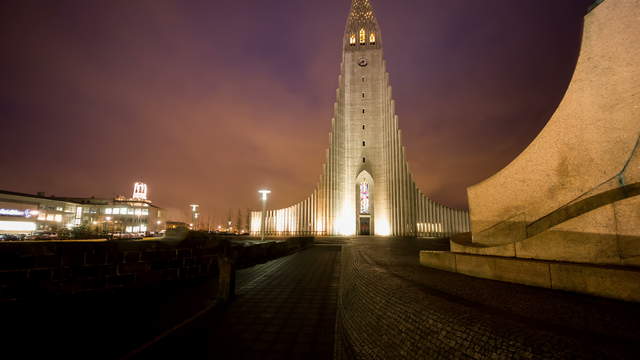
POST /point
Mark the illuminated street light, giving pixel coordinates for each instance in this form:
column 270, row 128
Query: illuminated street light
column 264, row 194
column 194, row 215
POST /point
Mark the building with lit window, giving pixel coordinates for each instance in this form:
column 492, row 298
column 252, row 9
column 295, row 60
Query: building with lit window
column 25, row 213
column 136, row 214
column 366, row 186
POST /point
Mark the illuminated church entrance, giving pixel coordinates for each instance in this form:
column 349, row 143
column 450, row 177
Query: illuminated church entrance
column 365, row 207
column 364, row 215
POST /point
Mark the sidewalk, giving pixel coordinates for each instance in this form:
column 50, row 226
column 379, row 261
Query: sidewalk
column 285, row 309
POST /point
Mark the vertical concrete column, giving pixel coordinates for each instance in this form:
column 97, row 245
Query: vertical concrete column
column 455, row 225
column 441, row 216
column 394, row 182
column 307, row 215
column 405, row 205
column 422, row 213
column 396, row 175
column 314, row 212
column 226, row 278
column 307, row 219
column 429, row 217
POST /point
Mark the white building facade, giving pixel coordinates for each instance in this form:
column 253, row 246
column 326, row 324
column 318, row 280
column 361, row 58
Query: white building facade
column 366, row 187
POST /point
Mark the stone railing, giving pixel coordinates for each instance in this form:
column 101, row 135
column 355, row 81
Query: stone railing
column 30, row 269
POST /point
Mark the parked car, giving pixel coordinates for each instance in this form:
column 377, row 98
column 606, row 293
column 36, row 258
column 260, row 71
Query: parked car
column 42, row 235
column 9, row 237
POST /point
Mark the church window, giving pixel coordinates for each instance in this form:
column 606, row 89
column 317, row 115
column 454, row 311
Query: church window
column 363, row 111
column 363, row 36
column 362, row 127
column 352, row 39
column 372, row 38
column 364, row 160
column 364, row 143
column 364, row 198
column 363, row 79
column 363, row 95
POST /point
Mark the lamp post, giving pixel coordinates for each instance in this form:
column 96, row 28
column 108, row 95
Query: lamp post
column 194, row 216
column 264, row 194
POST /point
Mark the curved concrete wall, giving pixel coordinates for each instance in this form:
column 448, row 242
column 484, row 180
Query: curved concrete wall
column 589, row 146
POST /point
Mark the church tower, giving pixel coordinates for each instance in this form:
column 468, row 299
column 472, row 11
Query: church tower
column 366, row 187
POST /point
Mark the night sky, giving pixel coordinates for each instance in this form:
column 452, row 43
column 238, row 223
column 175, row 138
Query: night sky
column 208, row 101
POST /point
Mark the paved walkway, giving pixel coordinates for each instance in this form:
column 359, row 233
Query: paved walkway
column 436, row 314
column 285, row 309
column 395, row 308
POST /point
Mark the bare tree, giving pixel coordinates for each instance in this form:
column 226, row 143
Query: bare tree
column 248, row 221
column 239, row 222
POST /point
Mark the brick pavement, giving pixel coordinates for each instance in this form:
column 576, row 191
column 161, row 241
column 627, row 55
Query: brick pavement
column 386, row 306
column 392, row 308
column 285, row 309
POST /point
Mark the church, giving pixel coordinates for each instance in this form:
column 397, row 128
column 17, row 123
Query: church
column 366, row 187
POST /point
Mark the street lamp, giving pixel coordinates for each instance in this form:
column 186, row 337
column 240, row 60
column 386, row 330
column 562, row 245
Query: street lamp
column 194, row 215
column 264, row 194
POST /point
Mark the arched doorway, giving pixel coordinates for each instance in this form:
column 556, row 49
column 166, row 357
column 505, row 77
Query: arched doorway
column 364, row 204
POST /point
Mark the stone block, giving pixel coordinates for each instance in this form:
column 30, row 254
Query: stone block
column 16, row 261
column 132, row 257
column 47, row 261
column 13, row 276
column 121, row 281
column 62, row 274
column 627, row 213
column 533, row 273
column 182, row 253
column 506, row 250
column 150, row 277
column 442, row 260
column 508, row 231
column 73, row 258
column 571, row 246
column 612, row 282
column 41, row 275
column 132, row 268
column 93, row 271
column 97, row 256
column 475, row 265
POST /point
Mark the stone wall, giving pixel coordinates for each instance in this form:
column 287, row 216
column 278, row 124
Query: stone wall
column 590, row 147
column 30, row 269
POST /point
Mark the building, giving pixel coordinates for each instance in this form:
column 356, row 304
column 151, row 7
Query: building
column 365, row 187
column 26, row 213
column 176, row 225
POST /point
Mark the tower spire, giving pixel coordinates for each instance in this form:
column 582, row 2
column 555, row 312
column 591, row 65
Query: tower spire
column 362, row 26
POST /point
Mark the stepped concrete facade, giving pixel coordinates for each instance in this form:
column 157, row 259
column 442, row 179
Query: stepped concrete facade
column 366, row 187
column 568, row 207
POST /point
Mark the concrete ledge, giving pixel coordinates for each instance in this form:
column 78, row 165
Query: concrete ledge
column 617, row 283
column 442, row 260
column 621, row 283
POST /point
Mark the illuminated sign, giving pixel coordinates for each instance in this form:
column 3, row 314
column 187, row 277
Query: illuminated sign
column 17, row 226
column 21, row 213
column 140, row 191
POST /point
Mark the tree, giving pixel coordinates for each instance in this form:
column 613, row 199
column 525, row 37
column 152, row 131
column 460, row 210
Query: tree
column 248, row 221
